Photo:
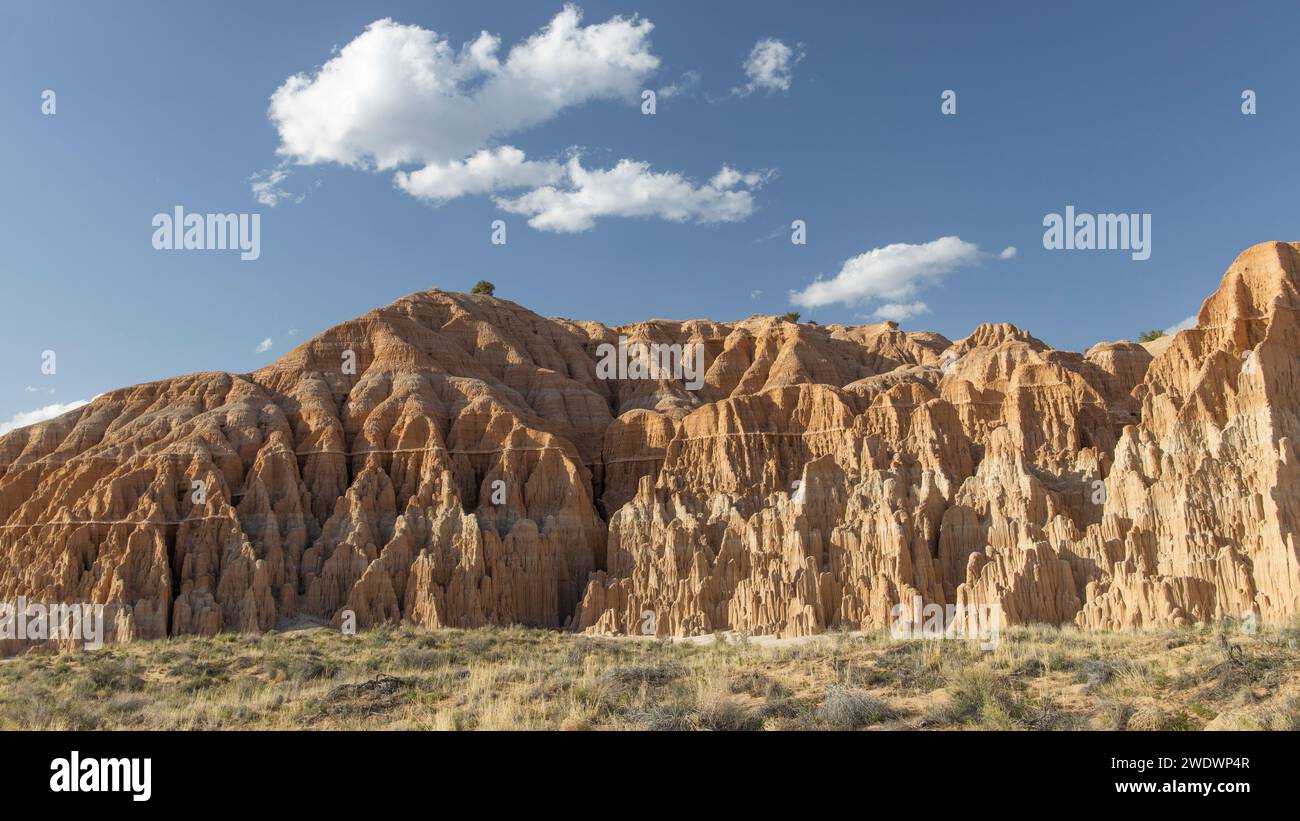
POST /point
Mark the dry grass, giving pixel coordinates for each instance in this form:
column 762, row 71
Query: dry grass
column 402, row 678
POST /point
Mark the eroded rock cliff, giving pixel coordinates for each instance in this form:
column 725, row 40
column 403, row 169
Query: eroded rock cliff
column 456, row 460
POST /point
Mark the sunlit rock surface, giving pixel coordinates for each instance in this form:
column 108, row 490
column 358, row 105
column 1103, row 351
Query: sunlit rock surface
column 455, row 460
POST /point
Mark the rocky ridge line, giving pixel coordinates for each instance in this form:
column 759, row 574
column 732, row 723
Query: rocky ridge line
column 818, row 477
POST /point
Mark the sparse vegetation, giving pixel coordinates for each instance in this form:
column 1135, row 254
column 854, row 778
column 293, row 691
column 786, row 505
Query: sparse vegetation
column 791, row 316
column 483, row 287
column 1150, row 336
column 1038, row 678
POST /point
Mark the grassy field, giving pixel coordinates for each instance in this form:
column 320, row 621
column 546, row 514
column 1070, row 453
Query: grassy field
column 1039, row 678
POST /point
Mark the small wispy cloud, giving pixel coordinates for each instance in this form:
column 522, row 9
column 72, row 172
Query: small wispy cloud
column 25, row 418
column 268, row 188
column 685, row 86
column 1189, row 322
column 1008, row 253
column 264, row 345
column 898, row 311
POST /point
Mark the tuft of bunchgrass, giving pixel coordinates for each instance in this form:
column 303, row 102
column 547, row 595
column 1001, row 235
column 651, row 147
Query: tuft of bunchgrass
column 845, row 708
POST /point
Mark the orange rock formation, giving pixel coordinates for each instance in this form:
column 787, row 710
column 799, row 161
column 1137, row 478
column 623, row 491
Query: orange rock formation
column 454, row 460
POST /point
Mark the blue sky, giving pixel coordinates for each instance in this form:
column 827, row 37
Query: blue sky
column 1121, row 107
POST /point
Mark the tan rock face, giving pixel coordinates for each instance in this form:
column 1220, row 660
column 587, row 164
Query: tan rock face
column 456, row 460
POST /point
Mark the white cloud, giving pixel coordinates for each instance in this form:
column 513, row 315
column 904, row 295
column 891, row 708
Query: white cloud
column 894, row 273
column 1189, row 322
column 487, row 171
column 631, row 189
column 267, row 189
column 770, row 66
column 26, row 418
column 402, row 98
column 400, row 94
column 684, row 86
column 30, row 389
column 1008, row 253
column 263, row 346
column 898, row 311
column 755, row 294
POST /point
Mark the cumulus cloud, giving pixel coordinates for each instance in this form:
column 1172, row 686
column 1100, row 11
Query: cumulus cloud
column 483, row 173
column 1008, row 253
column 403, row 99
column 770, row 66
column 894, row 273
column 631, row 189
column 400, row 94
column 1189, row 322
column 25, row 418
column 898, row 311
column 264, row 345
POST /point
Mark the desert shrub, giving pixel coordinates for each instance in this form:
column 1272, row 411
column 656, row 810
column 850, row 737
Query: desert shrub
column 299, row 667
column 1115, row 714
column 751, row 682
column 420, row 658
column 1153, row 717
column 979, row 695
column 115, row 675
column 672, row 715
column 1285, row 716
column 726, row 714
column 653, row 674
column 847, row 709
column 1030, row 668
